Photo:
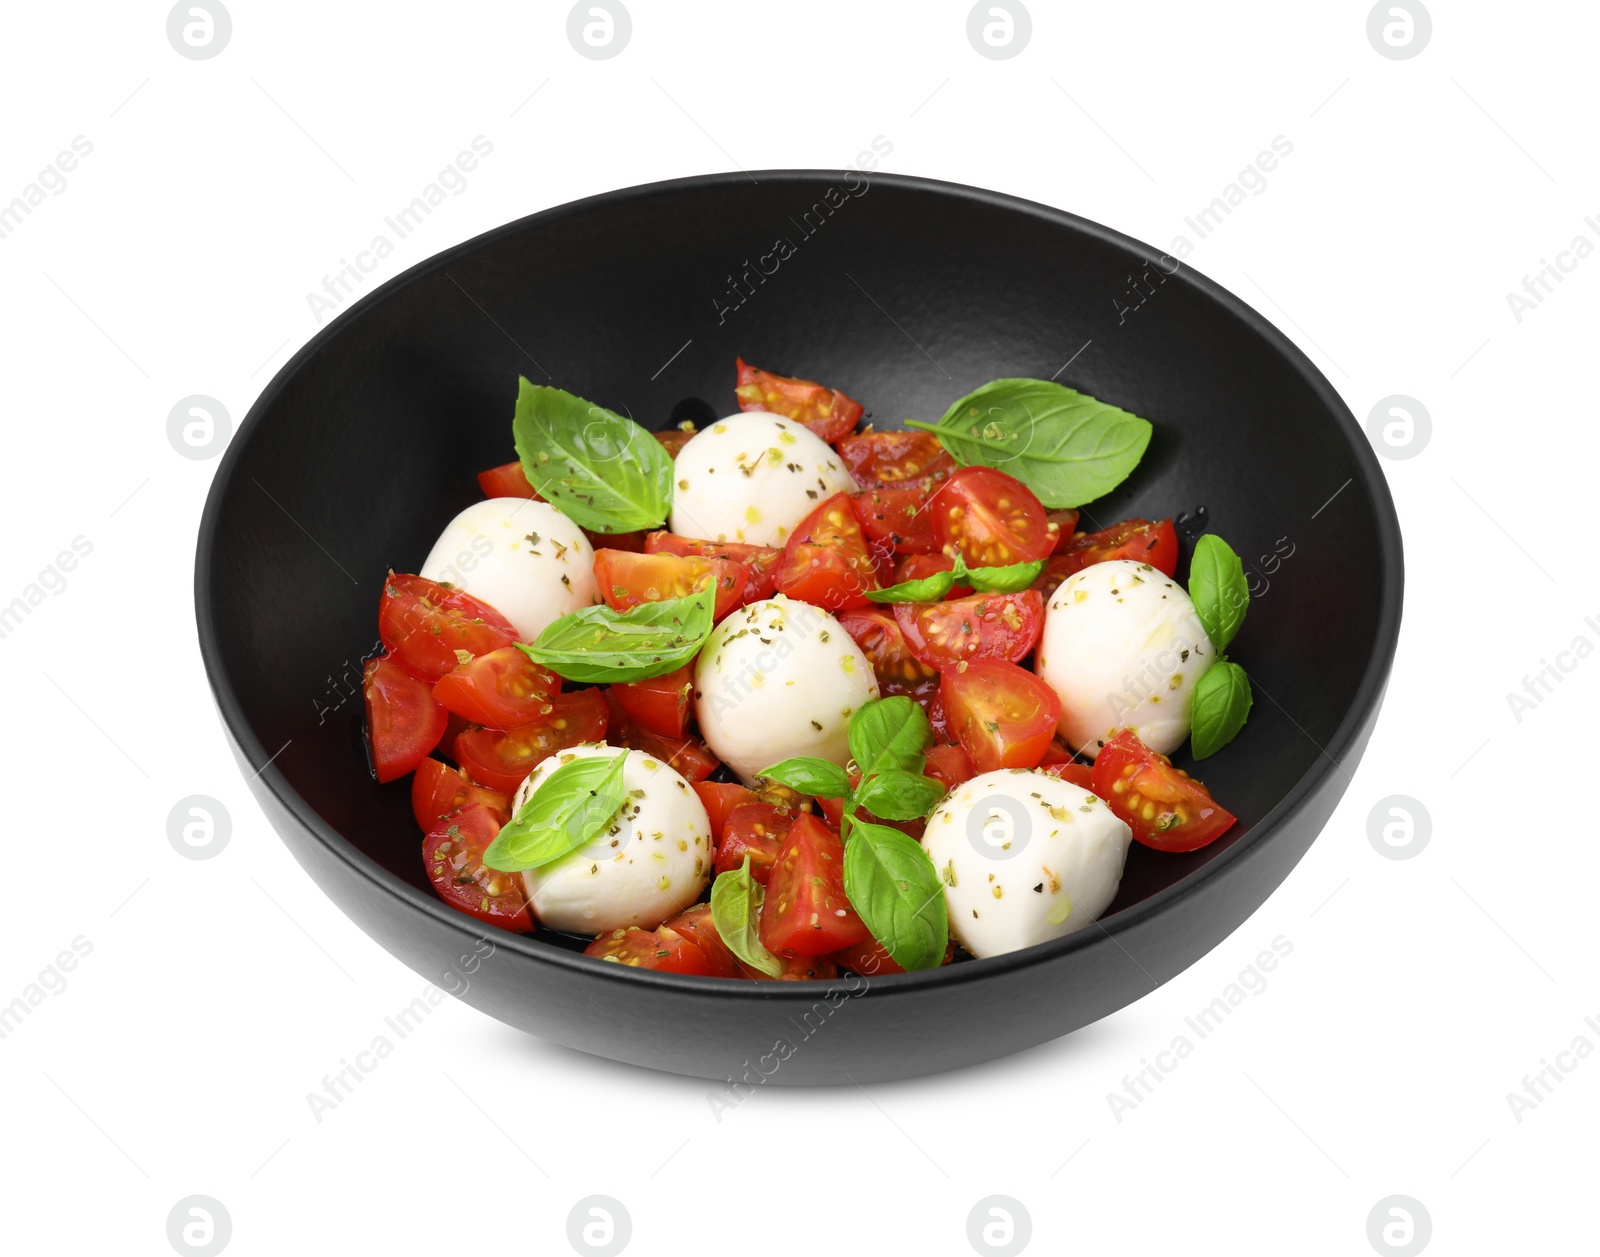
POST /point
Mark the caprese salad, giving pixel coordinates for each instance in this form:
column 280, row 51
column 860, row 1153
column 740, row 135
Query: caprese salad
column 780, row 697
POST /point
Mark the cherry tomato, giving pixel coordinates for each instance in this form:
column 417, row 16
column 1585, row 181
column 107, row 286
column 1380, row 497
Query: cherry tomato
column 437, row 790
column 502, row 690
column 664, row 949
column 1071, row 771
column 795, row 969
column 673, row 439
column 627, row 580
column 807, row 913
column 878, row 633
column 696, row 926
column 827, row 561
column 1003, row 715
column 453, row 855
column 950, row 766
column 756, row 830
column 981, row 626
column 503, row 759
column 659, row 705
column 719, row 799
column 761, row 562
column 1063, row 524
column 922, row 566
column 1135, row 539
column 872, row 960
column 927, row 696
column 507, row 481
column 889, row 460
column 990, row 519
column 424, row 625
column 404, row 720
column 689, row 756
column 827, row 412
column 628, row 542
column 899, row 518
column 1165, row 807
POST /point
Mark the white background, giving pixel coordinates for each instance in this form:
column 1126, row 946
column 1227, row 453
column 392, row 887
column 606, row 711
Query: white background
column 218, row 993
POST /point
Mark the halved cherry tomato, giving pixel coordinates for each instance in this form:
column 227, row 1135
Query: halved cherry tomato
column 950, row 766
column 756, row 830
column 502, row 760
column 437, row 790
column 404, row 720
column 503, row 689
column 1135, row 539
column 1165, row 807
column 890, row 460
column 628, row 542
column 507, row 481
column 795, row 969
column 674, row 439
column 664, row 949
column 1063, row 524
column 689, row 756
column 627, row 580
column 807, row 912
column 872, row 960
column 827, row 412
column 452, row 853
column 877, row 632
column 696, row 926
column 761, row 562
column 826, row 561
column 1071, row 772
column 1003, row 715
column 897, row 517
column 982, row 626
column 990, row 519
column 922, row 566
column 719, row 799
column 661, row 704
column 425, row 626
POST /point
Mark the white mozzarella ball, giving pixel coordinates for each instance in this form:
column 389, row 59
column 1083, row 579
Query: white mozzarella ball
column 648, row 866
column 524, row 558
column 776, row 679
column 752, row 477
column 1024, row 857
column 1123, row 648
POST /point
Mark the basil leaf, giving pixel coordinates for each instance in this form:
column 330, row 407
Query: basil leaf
column 601, row 469
column 736, row 900
column 1066, row 446
column 576, row 802
column 928, row 589
column 1012, row 578
column 892, row 885
column 1222, row 702
column 897, row 795
column 1218, row 589
column 819, row 778
column 597, row 644
column 889, row 733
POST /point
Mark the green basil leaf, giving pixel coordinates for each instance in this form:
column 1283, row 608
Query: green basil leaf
column 820, row 778
column 736, row 899
column 1218, row 589
column 1013, row 578
column 1222, row 702
column 572, row 805
column 928, row 589
column 596, row 644
column 892, row 885
column 1066, row 446
column 897, row 795
column 889, row 733
column 601, row 469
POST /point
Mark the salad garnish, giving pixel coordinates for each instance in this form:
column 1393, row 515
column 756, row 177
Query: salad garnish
column 570, row 807
column 736, row 902
column 1221, row 596
column 598, row 645
column 1010, row 579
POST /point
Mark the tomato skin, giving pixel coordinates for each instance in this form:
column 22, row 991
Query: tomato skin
column 807, row 912
column 626, row 580
column 696, row 926
column 688, row 756
column 827, row 561
column 1073, row 772
column 892, row 460
column 1003, row 715
column 950, row 766
column 872, row 960
column 452, row 853
column 659, row 705
column 760, row 562
column 898, row 518
column 662, row 949
column 877, row 632
column 502, row 759
column 501, row 690
column 981, row 626
column 438, row 790
column 990, row 519
column 1135, row 539
column 826, row 411
column 719, row 798
column 1165, row 807
column 1063, row 525
column 404, row 720
column 673, row 439
column 795, row 969
column 757, row 830
column 507, row 481
column 423, row 624
column 922, row 566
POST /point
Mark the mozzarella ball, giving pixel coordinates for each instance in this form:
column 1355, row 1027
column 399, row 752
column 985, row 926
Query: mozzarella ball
column 648, row 866
column 776, row 679
column 752, row 477
column 524, row 558
column 1123, row 648
column 1024, row 857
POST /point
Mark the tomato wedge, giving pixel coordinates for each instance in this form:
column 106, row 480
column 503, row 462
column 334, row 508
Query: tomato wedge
column 891, row 460
column 872, row 960
column 807, row 913
column 981, row 626
column 674, row 439
column 437, row 790
column 453, row 855
column 990, row 519
column 1135, row 539
column 664, row 949
column 719, row 799
column 426, row 626
column 626, row 579
column 501, row 760
column 502, row 690
column 659, row 705
column 897, row 517
column 827, row 412
column 507, row 481
column 404, row 721
column 878, row 633
column 689, row 756
column 827, row 561
column 795, row 969
column 756, row 830
column 1063, row 524
column 1165, row 807
column 1003, row 715
column 950, row 766
column 696, row 926
column 1071, row 771
column 760, row 562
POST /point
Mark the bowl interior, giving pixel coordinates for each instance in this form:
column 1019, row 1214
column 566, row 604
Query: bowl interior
column 903, row 293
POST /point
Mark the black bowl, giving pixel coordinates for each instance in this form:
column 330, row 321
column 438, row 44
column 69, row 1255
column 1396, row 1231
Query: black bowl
column 906, row 294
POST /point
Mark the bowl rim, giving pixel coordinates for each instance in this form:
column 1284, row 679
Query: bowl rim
column 1362, row 709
